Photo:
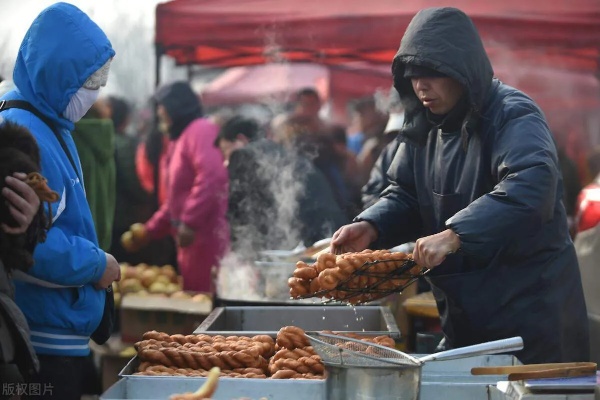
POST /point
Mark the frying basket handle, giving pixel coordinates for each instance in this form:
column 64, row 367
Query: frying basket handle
column 497, row 346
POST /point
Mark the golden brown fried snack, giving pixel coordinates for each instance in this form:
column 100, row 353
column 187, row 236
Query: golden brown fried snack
column 303, row 365
column 190, row 358
column 293, row 354
column 298, row 287
column 289, row 374
column 305, row 272
column 39, row 184
column 206, row 390
column 292, row 337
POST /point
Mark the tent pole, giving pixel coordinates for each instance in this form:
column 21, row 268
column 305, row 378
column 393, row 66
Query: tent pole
column 158, row 52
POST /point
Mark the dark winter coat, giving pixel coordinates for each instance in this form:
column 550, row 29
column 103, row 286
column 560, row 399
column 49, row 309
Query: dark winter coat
column 378, row 179
column 278, row 199
column 495, row 182
column 15, row 344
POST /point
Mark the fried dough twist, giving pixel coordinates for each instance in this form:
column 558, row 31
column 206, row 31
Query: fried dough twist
column 292, row 337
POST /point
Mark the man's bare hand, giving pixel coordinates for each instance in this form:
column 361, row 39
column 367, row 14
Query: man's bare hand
column 353, row 238
column 112, row 273
column 22, row 201
column 431, row 251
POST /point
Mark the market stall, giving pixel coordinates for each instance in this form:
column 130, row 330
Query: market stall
column 295, row 371
column 327, row 352
column 270, row 352
column 443, row 379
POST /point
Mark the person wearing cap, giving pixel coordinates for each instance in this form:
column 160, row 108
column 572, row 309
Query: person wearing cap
column 194, row 212
column 476, row 181
column 61, row 65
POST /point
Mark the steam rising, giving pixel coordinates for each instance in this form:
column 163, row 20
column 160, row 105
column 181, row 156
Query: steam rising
column 567, row 98
column 272, row 222
column 271, row 212
column 238, row 279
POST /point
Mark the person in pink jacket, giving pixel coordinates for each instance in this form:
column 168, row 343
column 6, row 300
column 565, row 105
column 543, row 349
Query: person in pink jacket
column 197, row 185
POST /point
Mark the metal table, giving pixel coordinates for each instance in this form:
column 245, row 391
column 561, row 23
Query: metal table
column 249, row 321
column 448, row 380
column 578, row 388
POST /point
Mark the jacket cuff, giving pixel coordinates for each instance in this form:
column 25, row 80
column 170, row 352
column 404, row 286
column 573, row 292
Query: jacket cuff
column 101, row 266
column 378, row 243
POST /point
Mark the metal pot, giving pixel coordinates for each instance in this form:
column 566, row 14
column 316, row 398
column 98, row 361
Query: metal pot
column 399, row 382
column 390, row 383
column 273, row 278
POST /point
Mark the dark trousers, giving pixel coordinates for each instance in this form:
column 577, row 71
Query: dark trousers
column 11, row 381
column 60, row 378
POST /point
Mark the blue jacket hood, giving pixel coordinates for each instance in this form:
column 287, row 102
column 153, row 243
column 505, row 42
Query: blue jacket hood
column 62, row 48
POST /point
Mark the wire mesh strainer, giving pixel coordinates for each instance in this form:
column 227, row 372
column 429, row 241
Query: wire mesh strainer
column 401, row 277
column 344, row 351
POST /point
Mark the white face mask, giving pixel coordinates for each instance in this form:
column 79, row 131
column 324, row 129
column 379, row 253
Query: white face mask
column 80, row 104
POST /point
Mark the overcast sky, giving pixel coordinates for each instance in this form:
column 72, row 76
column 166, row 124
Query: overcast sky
column 17, row 15
column 129, row 25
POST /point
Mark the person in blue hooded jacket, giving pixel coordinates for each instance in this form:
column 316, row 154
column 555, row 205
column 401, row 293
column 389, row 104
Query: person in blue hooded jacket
column 62, row 63
column 476, row 170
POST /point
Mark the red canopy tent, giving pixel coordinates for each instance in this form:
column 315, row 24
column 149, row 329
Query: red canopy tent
column 246, row 32
column 550, row 49
column 270, row 83
column 265, row 83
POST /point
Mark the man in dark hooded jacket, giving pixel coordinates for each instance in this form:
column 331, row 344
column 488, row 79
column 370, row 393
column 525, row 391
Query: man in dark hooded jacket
column 477, row 171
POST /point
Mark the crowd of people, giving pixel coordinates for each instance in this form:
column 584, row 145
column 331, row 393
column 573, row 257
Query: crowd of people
column 445, row 166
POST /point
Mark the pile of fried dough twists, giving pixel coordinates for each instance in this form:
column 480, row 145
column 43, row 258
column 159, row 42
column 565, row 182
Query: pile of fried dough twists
column 350, row 275
column 289, row 356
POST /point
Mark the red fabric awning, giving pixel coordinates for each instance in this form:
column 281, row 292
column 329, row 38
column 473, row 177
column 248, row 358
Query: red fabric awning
column 563, row 33
column 265, row 83
column 548, row 48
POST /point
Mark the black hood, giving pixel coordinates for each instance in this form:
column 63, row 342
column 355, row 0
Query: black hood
column 182, row 105
column 445, row 40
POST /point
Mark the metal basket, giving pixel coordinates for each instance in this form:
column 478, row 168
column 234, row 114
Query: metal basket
column 374, row 291
column 344, row 351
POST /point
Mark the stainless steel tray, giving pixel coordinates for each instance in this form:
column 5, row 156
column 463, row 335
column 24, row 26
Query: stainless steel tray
column 131, row 368
column 272, row 389
column 249, row 321
column 516, row 391
column 150, row 388
column 576, row 384
column 438, row 371
column 449, row 380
